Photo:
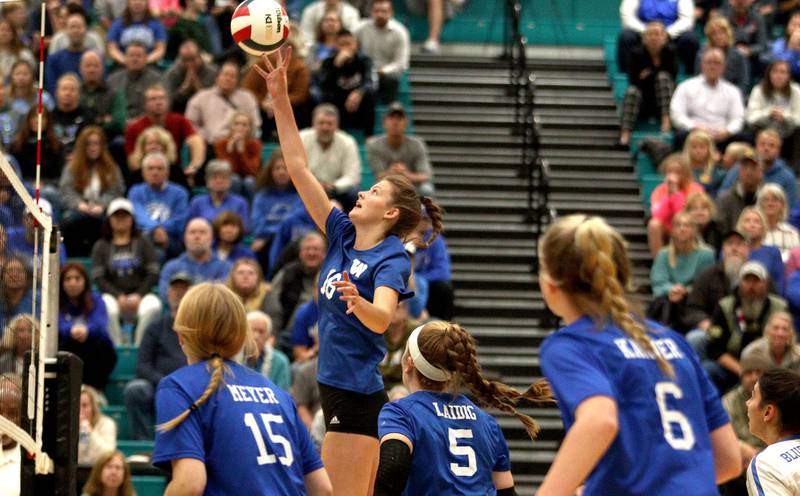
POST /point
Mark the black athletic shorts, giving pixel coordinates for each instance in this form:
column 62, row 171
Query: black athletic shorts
column 350, row 412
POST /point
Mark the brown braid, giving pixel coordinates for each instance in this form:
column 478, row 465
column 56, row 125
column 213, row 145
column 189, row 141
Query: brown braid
column 217, row 364
column 436, row 215
column 406, row 199
column 449, row 347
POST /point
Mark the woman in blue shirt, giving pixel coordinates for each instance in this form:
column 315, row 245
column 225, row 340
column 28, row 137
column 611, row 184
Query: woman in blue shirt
column 368, row 268
column 137, row 25
column 437, row 442
column 224, row 428
column 753, row 224
column 641, row 415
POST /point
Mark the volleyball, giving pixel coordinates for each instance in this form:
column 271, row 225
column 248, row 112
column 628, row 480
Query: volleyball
column 260, row 26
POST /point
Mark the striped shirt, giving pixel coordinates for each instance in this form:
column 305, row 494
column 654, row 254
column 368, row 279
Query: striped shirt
column 776, row 470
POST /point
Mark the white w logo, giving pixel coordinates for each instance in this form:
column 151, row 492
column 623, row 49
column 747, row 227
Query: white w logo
column 358, row 267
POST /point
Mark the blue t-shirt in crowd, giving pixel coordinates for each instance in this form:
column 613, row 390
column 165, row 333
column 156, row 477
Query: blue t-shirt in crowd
column 203, row 206
column 270, row 207
column 248, row 421
column 212, row 269
column 304, row 329
column 147, row 33
column 96, row 321
column 663, row 446
column 457, row 446
column 433, row 262
column 770, row 258
column 167, row 207
column 779, row 174
column 349, row 353
column 60, row 63
column 658, row 10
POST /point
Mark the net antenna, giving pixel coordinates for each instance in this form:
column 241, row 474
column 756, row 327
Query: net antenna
column 41, row 265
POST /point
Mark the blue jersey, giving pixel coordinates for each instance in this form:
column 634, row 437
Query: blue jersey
column 349, row 353
column 457, row 445
column 247, row 434
column 663, row 446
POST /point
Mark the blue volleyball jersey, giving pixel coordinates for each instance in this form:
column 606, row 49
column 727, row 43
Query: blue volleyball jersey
column 349, row 353
column 457, row 445
column 663, row 446
column 247, row 434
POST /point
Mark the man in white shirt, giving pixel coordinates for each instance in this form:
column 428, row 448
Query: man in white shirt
column 333, row 156
column 314, row 12
column 386, row 41
column 707, row 102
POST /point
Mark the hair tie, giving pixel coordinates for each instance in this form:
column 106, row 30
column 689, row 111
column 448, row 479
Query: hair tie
column 215, row 355
column 420, row 363
column 193, row 407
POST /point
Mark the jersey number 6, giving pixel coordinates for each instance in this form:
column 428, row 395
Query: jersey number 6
column 460, row 470
column 669, row 417
column 264, row 457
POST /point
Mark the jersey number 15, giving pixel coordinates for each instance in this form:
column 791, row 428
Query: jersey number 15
column 264, row 456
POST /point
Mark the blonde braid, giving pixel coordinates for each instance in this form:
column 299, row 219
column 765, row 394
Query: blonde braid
column 217, row 364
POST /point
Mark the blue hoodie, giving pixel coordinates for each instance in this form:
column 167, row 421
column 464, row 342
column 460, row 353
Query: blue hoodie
column 203, row 206
column 270, row 207
column 433, row 262
column 167, row 207
column 96, row 321
column 212, row 269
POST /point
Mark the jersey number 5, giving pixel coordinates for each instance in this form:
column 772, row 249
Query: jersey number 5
column 264, row 457
column 472, row 466
column 685, row 441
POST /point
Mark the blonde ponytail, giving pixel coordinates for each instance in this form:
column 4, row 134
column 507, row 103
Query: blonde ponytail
column 217, row 366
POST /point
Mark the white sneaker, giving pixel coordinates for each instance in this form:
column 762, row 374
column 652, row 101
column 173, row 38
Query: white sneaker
column 431, row 46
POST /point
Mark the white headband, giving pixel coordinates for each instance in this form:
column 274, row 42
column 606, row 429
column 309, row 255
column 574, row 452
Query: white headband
column 424, row 366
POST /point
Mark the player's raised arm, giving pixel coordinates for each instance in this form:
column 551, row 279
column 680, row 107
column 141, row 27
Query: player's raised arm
column 294, row 154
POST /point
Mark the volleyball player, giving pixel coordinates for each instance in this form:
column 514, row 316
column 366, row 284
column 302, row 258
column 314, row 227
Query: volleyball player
column 436, row 441
column 367, row 266
column 641, row 416
column 224, row 428
column 774, row 415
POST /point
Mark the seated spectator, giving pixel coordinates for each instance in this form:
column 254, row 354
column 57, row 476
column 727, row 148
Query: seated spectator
column 275, row 198
column 295, row 283
column 778, row 347
column 324, row 40
column 219, row 197
column 305, row 392
column 787, row 47
column 67, row 59
column 333, row 156
column 88, row 184
column 159, row 355
column 651, row 81
column 11, row 49
column 305, row 334
column 247, row 281
column 750, row 35
column 194, row 24
column 298, row 79
column 52, row 154
column 125, row 268
column 156, row 112
column 346, row 81
column 669, row 198
column 98, row 432
column 397, row 153
column 63, row 40
column 677, row 17
column 155, row 139
column 67, row 118
column 701, row 153
column 432, row 262
column 735, row 403
column 240, row 149
column 137, row 26
column 160, row 207
column 707, row 102
column 18, row 335
column 134, row 77
column 674, row 270
column 775, row 102
column 268, row 361
column 188, row 75
column 23, row 91
column 314, row 12
column 768, row 147
column 210, row 109
column 749, row 179
column 284, row 247
column 396, row 335
column 738, row 320
column 110, row 475
column 772, row 203
column 83, row 324
column 719, row 34
column 102, row 104
column 701, row 210
column 387, row 43
column 733, row 153
column 199, row 261
column 753, row 225
column 228, row 235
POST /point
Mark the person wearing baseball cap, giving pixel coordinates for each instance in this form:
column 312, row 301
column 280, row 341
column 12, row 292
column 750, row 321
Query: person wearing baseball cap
column 731, row 201
column 738, row 320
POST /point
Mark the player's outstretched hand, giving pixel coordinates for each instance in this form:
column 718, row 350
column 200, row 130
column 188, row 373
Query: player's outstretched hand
column 275, row 75
column 349, row 293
